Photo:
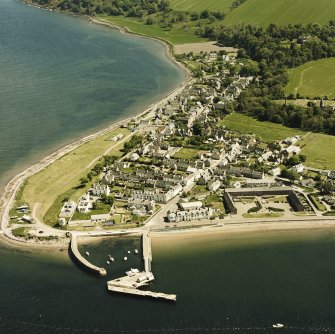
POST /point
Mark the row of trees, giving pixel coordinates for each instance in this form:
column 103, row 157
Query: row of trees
column 132, row 8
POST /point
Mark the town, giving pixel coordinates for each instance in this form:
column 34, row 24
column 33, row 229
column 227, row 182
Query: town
column 183, row 167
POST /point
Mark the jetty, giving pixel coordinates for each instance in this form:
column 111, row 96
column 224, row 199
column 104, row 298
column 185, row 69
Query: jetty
column 135, row 279
column 147, row 254
column 81, row 260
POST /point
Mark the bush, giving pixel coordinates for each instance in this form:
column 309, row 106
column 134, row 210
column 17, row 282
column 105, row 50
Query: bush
column 253, row 209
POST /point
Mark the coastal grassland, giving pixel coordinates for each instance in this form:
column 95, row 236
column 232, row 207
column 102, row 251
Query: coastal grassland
column 46, row 189
column 315, row 78
column 319, row 150
column 282, row 12
column 266, row 130
column 180, row 33
column 200, row 5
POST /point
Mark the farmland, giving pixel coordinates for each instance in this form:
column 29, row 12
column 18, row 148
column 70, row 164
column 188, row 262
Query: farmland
column 200, row 5
column 315, row 78
column 282, row 12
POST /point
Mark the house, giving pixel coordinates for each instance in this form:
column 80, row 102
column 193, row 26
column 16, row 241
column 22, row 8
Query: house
column 194, row 214
column 275, row 171
column 117, row 137
column 218, row 155
column 102, row 218
column 67, row 209
column 292, row 150
column 298, row 168
column 27, row 219
column 85, row 204
column 141, row 207
column 100, row 189
column 187, row 206
column 214, row 186
column 291, row 140
column 157, row 195
column 134, row 157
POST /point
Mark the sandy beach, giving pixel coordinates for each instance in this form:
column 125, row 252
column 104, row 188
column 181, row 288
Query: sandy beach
column 206, row 234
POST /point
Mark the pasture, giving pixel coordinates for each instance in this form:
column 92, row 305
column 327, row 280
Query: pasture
column 315, row 78
column 282, row 12
column 319, row 150
column 266, row 130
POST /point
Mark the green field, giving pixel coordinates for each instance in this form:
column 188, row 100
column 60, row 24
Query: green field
column 186, row 153
column 319, row 149
column 44, row 188
column 200, row 5
column 315, row 78
column 282, row 12
column 266, row 130
column 180, row 33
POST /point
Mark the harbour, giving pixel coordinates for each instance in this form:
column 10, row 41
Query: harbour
column 133, row 280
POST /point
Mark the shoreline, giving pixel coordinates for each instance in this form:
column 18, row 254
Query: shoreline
column 10, row 190
column 8, row 195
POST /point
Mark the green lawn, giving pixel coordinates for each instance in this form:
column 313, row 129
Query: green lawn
column 186, row 153
column 263, row 215
column 200, row 5
column 282, row 12
column 20, row 231
column 315, row 78
column 317, row 203
column 319, row 149
column 60, row 179
column 180, row 33
column 266, row 130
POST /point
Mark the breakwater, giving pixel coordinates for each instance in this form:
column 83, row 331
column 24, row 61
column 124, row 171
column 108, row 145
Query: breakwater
column 81, row 261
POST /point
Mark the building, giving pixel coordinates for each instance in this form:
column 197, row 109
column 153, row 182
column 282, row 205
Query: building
column 193, row 214
column 100, row 189
column 298, row 168
column 214, row 186
column 102, row 218
column 68, row 209
column 187, row 206
column 230, row 193
column 141, row 207
column 157, row 195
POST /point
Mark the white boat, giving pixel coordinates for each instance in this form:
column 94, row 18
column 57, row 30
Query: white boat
column 278, row 325
column 87, row 253
column 125, row 258
column 132, row 272
column 108, row 262
column 112, row 259
column 136, row 251
column 128, row 252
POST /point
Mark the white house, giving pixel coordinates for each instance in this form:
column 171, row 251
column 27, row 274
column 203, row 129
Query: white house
column 67, row 209
column 100, row 189
column 214, row 186
column 298, row 168
column 196, row 214
column 275, row 171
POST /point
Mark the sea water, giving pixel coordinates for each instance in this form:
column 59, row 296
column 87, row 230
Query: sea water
column 240, row 283
column 62, row 78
